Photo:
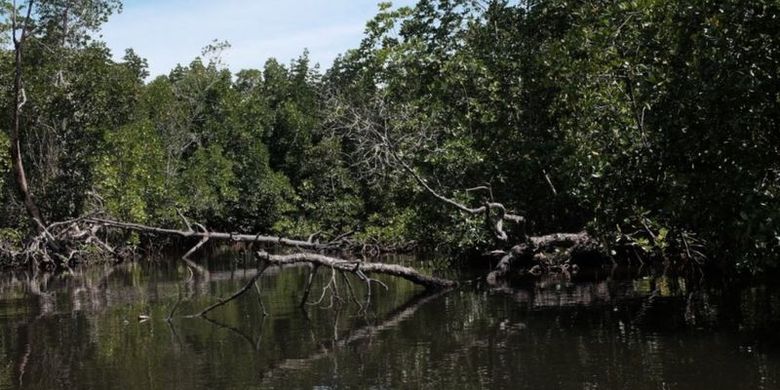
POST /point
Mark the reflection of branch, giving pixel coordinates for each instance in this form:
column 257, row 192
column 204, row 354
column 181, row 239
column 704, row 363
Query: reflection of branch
column 646, row 306
column 394, row 319
column 197, row 267
column 254, row 343
column 260, row 299
column 26, row 357
column 175, row 336
column 173, row 309
column 235, row 295
column 309, row 283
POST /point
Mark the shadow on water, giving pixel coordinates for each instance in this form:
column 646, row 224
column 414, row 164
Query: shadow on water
column 617, row 328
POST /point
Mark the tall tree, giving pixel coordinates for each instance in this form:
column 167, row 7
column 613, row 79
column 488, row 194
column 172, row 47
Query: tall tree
column 20, row 30
column 58, row 26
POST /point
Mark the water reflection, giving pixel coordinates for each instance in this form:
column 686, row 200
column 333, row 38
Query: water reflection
column 611, row 329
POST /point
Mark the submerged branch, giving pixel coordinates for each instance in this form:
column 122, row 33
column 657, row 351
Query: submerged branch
column 360, row 269
column 235, row 295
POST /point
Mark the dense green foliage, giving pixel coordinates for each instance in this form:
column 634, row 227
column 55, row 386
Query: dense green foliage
column 650, row 122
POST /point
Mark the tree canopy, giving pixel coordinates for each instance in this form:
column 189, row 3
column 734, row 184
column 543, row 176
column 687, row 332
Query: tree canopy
column 650, row 123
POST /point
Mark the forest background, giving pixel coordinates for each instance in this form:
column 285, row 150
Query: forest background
column 652, row 124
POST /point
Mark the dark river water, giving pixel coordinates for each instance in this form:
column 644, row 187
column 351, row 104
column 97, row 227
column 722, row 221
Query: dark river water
column 614, row 329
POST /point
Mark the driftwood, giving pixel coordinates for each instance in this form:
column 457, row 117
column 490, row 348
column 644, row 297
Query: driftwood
column 527, row 254
column 73, row 239
column 84, row 231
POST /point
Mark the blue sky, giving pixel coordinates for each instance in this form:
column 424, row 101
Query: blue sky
column 168, row 32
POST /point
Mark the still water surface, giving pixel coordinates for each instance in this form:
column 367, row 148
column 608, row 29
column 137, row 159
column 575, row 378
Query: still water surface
column 609, row 330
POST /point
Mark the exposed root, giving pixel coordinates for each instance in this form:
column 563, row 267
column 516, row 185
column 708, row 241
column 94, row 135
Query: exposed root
column 542, row 253
column 60, row 245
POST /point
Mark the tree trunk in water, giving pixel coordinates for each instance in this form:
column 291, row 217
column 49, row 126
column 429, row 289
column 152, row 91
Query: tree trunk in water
column 523, row 254
column 410, row 274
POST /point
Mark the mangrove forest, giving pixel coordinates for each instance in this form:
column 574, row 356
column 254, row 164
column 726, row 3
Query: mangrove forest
column 477, row 194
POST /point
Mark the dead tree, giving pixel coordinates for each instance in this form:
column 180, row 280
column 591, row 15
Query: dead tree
column 204, row 235
column 382, row 143
column 82, row 234
column 358, row 268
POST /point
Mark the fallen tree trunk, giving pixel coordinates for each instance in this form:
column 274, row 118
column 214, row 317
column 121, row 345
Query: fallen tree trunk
column 358, row 268
column 408, row 273
column 206, row 235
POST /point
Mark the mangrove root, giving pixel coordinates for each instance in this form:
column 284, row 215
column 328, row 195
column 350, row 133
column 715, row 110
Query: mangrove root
column 530, row 254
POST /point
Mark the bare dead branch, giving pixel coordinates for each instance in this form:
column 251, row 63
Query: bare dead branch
column 309, row 282
column 382, row 140
column 357, row 267
column 260, row 298
column 218, row 236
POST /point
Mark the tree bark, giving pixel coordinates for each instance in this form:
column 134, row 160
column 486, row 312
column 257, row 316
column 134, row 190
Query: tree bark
column 205, row 235
column 408, row 273
column 524, row 253
column 17, row 164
